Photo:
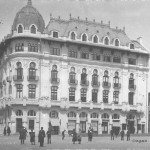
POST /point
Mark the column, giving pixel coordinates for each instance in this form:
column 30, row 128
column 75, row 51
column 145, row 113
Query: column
column 99, row 124
column 77, row 123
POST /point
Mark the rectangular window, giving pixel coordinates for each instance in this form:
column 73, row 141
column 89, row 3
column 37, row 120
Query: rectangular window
column 71, row 94
column 32, row 91
column 85, row 55
column 54, row 92
column 32, row 74
column 55, row 34
column 116, row 97
column 56, row 51
column 73, row 53
column 131, row 61
column 19, row 89
column 116, row 59
column 94, row 95
column 130, row 97
column 105, row 96
column 95, row 56
column 107, row 58
column 83, row 95
column 19, row 47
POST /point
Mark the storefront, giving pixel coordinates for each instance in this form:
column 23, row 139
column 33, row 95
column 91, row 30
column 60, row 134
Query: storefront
column 105, row 121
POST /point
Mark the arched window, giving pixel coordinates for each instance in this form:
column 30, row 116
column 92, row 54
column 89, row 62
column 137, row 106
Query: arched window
column 71, row 115
column 10, row 89
column 131, row 46
column 130, row 116
column 19, row 71
column 94, row 115
column 95, row 39
column 106, row 41
column 83, row 115
column 115, row 117
column 116, row 79
column 20, row 29
column 33, row 29
column 73, row 36
column 116, row 42
column 95, row 77
column 105, row 78
column 53, row 114
column 72, row 75
column 54, row 73
column 83, row 76
column 131, row 81
column 31, row 113
column 105, row 116
column 19, row 113
column 84, row 37
column 32, row 71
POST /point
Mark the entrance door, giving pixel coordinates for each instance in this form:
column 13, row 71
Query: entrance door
column 71, row 125
column 94, row 125
column 105, row 127
column 31, row 124
column 18, row 124
column 143, row 128
column 83, row 126
column 131, row 126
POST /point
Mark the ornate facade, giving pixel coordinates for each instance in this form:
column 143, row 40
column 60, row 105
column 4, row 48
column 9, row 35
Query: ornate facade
column 72, row 74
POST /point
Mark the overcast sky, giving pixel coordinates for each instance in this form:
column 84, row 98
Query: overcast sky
column 133, row 14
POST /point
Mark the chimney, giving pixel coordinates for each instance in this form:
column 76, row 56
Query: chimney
column 139, row 39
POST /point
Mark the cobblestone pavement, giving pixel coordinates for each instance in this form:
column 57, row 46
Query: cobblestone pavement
column 100, row 143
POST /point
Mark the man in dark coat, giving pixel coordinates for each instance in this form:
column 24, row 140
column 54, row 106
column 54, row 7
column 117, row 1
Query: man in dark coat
column 112, row 134
column 4, row 131
column 22, row 135
column 74, row 137
column 63, row 134
column 122, row 135
column 32, row 137
column 128, row 135
column 49, row 133
column 90, row 134
column 41, row 137
column 8, row 130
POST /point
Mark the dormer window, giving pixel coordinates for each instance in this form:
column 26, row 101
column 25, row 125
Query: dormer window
column 20, row 29
column 116, row 42
column 131, row 46
column 55, row 34
column 84, row 37
column 73, row 36
column 95, row 39
column 33, row 29
column 106, row 41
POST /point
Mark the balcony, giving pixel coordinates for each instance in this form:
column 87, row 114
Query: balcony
column 33, row 78
column 18, row 78
column 84, row 83
column 132, row 87
column 117, row 85
column 106, row 85
column 95, row 84
column 55, row 80
column 72, row 82
column 9, row 79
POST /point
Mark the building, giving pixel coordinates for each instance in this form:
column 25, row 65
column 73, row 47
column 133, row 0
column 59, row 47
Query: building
column 72, row 74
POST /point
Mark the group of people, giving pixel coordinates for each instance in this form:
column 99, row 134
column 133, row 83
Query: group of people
column 122, row 134
column 7, row 130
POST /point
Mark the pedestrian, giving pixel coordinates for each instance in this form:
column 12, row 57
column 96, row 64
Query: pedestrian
column 8, row 131
column 128, row 135
column 41, row 137
column 122, row 135
column 49, row 133
column 4, row 131
column 90, row 134
column 112, row 134
column 74, row 137
column 32, row 137
column 79, row 137
column 22, row 135
column 63, row 134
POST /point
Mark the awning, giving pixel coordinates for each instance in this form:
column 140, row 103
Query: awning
column 55, row 122
column 116, row 124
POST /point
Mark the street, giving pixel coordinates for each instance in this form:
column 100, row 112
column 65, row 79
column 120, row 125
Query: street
column 101, row 143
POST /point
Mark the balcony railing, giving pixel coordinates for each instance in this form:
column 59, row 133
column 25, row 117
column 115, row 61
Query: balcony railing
column 117, row 85
column 95, row 84
column 18, row 78
column 9, row 79
column 33, row 78
column 84, row 83
column 106, row 84
column 72, row 82
column 55, row 80
column 132, row 87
